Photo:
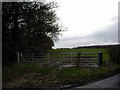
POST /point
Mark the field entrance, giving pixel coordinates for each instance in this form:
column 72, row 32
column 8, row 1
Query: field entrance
column 63, row 59
column 66, row 59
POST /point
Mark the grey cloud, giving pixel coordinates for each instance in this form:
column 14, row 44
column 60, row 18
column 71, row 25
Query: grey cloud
column 109, row 34
column 105, row 35
column 114, row 19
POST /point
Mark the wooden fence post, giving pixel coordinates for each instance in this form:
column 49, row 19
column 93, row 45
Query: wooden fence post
column 18, row 58
column 78, row 59
column 100, row 58
column 71, row 58
column 32, row 56
column 48, row 58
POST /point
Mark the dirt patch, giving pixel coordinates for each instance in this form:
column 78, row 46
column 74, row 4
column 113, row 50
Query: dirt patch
column 18, row 81
column 32, row 80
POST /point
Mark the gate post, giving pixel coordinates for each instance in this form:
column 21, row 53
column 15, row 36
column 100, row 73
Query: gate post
column 78, row 59
column 32, row 56
column 100, row 59
column 18, row 58
column 71, row 58
column 48, row 59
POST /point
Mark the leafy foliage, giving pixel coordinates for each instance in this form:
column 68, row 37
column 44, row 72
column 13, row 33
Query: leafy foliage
column 114, row 54
column 28, row 25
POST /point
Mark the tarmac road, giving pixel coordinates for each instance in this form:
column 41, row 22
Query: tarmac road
column 112, row 82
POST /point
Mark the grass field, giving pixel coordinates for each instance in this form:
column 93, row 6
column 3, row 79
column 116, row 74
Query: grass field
column 105, row 53
column 30, row 76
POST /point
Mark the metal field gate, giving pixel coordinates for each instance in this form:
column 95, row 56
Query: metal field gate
column 63, row 59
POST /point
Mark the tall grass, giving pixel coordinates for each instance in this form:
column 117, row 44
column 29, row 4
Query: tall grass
column 20, row 69
column 71, row 75
column 85, row 75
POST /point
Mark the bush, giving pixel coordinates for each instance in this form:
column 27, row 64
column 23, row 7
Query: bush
column 114, row 54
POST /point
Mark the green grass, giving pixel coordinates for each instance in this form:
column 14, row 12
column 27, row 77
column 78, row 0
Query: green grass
column 19, row 69
column 78, row 50
column 105, row 52
column 71, row 75
column 66, row 76
column 85, row 75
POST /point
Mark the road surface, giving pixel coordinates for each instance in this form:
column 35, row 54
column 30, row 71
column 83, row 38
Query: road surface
column 112, row 82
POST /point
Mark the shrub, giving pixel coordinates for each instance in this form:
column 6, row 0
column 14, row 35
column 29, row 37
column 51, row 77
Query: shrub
column 114, row 54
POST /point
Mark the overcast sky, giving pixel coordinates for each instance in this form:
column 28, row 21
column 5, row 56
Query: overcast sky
column 88, row 22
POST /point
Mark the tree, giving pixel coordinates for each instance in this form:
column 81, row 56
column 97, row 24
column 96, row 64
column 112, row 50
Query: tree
column 28, row 25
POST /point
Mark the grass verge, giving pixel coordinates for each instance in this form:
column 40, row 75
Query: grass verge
column 66, row 76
